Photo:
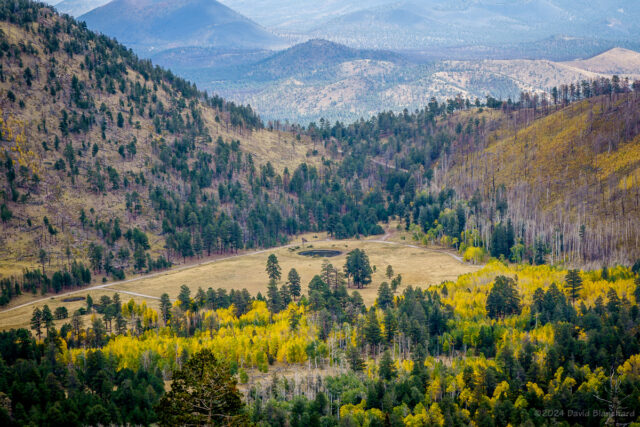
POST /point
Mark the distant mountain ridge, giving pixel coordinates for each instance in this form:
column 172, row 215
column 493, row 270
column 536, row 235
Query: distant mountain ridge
column 313, row 56
column 154, row 25
column 420, row 24
column 78, row 7
column 614, row 61
column 321, row 79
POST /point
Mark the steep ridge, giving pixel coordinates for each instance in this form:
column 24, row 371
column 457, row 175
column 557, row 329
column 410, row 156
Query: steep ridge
column 572, row 177
column 96, row 143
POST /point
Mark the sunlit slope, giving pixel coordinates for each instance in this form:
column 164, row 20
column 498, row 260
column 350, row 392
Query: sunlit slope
column 574, row 172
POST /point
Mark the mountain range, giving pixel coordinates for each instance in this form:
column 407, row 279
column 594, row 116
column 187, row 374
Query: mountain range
column 417, row 24
column 152, row 25
column 306, row 60
column 321, row 79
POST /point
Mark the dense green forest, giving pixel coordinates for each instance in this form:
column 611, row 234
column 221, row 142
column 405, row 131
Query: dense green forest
column 541, row 346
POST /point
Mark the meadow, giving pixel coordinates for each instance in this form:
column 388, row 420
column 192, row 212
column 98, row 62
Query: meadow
column 419, row 267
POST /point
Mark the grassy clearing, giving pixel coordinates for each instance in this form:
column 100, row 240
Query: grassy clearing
column 21, row 317
column 418, row 267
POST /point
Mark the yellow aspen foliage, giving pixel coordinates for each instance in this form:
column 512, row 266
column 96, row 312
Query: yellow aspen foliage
column 246, row 341
column 521, row 402
column 501, row 390
column 593, row 380
column 356, row 412
column 434, row 390
column 405, row 365
column 559, row 386
column 535, row 388
column 474, row 255
column 371, row 368
column 468, row 294
column 422, row 417
column 631, row 368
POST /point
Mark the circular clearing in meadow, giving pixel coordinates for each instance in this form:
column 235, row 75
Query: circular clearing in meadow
column 323, row 253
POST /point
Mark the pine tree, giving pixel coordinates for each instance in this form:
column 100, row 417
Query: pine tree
column 121, row 324
column 273, row 296
column 503, row 299
column 139, row 259
column 185, row 297
column 326, row 271
column 389, row 273
column 390, row 326
column 294, row 320
column 203, row 392
column 613, row 304
column 273, row 268
column 208, row 238
column 200, row 298
column 385, row 296
column 285, row 296
column 42, row 256
column 36, row 322
column 76, row 324
column 387, row 369
column 47, row 318
column 356, row 362
column 197, row 245
column 396, row 282
column 358, row 268
column 165, row 308
column 293, row 279
column 574, row 284
column 372, row 328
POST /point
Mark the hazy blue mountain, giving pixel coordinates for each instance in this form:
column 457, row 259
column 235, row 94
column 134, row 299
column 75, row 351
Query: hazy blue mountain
column 312, row 58
column 78, row 7
column 207, row 58
column 554, row 48
column 419, row 24
column 297, row 15
column 156, row 25
column 426, row 23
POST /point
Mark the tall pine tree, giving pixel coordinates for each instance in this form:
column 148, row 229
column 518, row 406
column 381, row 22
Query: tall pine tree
column 574, row 284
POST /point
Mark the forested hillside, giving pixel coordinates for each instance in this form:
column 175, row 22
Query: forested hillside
column 538, row 179
column 96, row 144
column 571, row 178
column 115, row 166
